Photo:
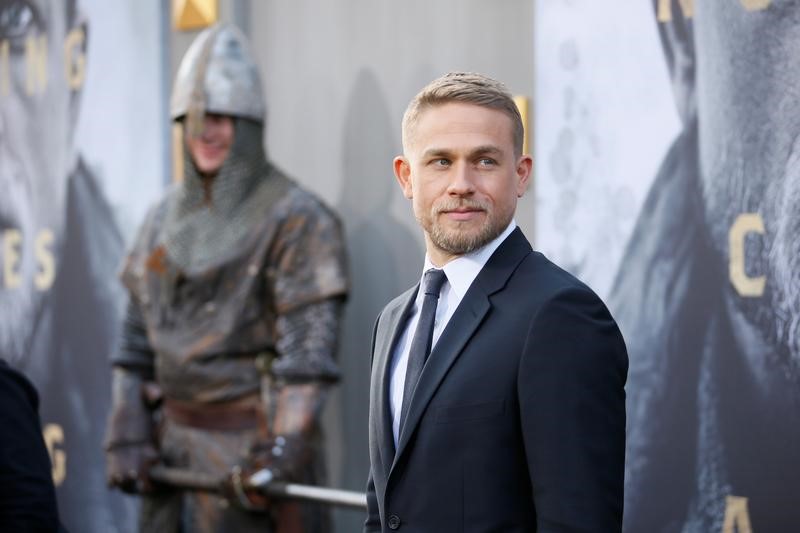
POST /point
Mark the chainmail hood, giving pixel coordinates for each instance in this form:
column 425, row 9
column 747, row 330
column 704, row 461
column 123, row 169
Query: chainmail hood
column 205, row 227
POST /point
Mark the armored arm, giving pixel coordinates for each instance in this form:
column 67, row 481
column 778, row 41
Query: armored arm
column 129, row 441
column 294, row 390
column 307, row 339
column 307, row 278
column 305, row 270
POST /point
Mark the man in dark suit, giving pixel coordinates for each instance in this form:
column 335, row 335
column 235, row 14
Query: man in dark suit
column 497, row 391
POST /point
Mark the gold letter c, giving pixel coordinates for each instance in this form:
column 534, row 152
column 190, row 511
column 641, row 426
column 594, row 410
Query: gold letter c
column 744, row 285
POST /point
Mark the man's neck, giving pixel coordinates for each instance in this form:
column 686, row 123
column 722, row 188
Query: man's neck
column 437, row 256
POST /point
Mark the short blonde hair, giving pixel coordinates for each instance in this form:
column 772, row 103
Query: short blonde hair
column 468, row 88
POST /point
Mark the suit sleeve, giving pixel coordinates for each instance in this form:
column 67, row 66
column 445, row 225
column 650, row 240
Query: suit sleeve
column 373, row 521
column 572, row 407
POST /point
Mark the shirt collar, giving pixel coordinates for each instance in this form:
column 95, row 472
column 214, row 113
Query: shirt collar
column 463, row 270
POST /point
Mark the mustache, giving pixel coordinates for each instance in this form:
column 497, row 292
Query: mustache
column 451, row 204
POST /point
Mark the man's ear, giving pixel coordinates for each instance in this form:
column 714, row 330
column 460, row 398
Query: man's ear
column 524, row 171
column 402, row 171
column 674, row 20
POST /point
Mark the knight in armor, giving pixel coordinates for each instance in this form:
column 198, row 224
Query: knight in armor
column 236, row 280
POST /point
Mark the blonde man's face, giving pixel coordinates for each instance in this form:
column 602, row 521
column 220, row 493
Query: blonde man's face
column 461, row 174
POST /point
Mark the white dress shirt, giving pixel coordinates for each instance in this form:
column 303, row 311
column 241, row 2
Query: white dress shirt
column 460, row 272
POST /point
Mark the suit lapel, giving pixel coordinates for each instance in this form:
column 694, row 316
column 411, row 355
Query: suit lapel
column 462, row 325
column 465, row 321
column 386, row 339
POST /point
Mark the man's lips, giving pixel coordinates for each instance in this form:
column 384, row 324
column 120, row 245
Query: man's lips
column 463, row 214
column 211, row 149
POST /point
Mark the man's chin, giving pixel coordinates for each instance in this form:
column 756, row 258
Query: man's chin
column 463, row 239
column 775, row 322
column 784, row 276
column 786, row 327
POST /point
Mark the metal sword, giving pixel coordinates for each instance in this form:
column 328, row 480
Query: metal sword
column 261, row 480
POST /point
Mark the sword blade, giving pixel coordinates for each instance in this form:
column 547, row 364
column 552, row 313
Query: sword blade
column 311, row 493
column 262, row 481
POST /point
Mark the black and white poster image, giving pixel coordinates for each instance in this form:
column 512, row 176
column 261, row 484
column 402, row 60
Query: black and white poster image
column 669, row 174
column 69, row 99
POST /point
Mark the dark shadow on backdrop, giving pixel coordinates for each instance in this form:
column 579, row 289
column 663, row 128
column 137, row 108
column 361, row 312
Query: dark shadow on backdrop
column 385, row 259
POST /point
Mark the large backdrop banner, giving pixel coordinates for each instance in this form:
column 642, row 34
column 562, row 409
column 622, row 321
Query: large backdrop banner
column 668, row 177
column 81, row 155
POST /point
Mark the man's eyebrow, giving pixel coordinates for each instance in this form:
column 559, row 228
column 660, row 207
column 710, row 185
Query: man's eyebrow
column 486, row 150
column 436, row 152
column 480, row 150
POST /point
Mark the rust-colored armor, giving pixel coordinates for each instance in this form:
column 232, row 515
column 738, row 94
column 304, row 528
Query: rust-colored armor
column 222, row 318
column 201, row 336
column 236, row 283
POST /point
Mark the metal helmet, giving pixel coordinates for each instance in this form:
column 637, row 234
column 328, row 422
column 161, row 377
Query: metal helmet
column 217, row 75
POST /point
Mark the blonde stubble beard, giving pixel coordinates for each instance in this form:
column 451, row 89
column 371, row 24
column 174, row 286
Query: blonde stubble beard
column 456, row 242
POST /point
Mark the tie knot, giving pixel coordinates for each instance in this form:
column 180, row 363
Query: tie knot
column 433, row 281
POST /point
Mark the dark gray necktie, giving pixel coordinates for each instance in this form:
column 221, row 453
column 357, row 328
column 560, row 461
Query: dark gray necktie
column 423, row 337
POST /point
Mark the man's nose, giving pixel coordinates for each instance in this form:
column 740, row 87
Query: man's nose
column 209, row 129
column 207, row 134
column 462, row 180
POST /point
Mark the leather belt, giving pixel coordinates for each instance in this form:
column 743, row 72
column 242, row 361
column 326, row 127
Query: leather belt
column 240, row 414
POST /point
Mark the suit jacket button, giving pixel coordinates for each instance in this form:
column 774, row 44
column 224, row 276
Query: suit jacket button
column 394, row 522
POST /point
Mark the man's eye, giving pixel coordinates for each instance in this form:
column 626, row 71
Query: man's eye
column 487, row 162
column 17, row 18
column 441, row 162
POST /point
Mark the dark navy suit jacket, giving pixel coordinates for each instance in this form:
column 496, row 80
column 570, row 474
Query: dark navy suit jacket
column 517, row 423
column 27, row 494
